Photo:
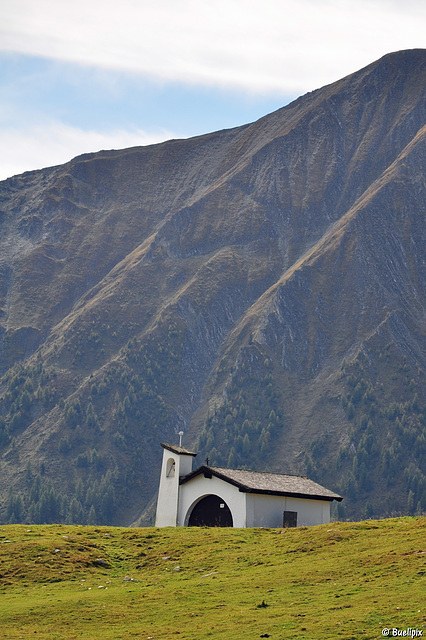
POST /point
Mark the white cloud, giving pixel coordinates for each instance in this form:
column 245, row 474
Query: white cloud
column 56, row 143
column 286, row 47
column 257, row 45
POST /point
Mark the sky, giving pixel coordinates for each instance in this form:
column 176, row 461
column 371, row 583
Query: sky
column 83, row 75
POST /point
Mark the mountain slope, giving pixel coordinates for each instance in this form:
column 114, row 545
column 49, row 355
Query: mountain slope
column 261, row 288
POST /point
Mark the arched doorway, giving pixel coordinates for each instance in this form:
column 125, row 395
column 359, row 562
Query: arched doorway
column 211, row 511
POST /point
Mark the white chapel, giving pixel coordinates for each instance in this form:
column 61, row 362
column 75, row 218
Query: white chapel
column 219, row 497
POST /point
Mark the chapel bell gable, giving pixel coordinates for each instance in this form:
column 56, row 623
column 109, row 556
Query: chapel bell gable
column 177, row 463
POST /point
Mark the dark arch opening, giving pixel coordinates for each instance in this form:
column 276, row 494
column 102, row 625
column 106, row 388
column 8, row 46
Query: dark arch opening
column 211, row 511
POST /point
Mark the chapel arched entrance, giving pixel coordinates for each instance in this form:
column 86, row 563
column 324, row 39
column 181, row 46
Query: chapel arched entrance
column 210, row 511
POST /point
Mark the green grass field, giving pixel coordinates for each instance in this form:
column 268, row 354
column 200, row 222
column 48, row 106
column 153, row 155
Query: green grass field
column 343, row 580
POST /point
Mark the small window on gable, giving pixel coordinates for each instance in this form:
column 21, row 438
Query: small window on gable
column 290, row 519
column 170, row 468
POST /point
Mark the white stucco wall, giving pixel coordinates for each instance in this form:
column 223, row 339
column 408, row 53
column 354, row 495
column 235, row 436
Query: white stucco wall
column 199, row 487
column 168, row 491
column 267, row 511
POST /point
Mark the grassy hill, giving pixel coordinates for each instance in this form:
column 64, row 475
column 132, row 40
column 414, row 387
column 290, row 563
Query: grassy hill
column 342, row 580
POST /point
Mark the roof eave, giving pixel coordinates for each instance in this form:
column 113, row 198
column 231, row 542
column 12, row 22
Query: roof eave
column 291, row 494
column 208, row 470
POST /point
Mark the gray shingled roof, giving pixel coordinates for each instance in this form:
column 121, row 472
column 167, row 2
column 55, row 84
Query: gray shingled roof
column 175, row 448
column 269, row 483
